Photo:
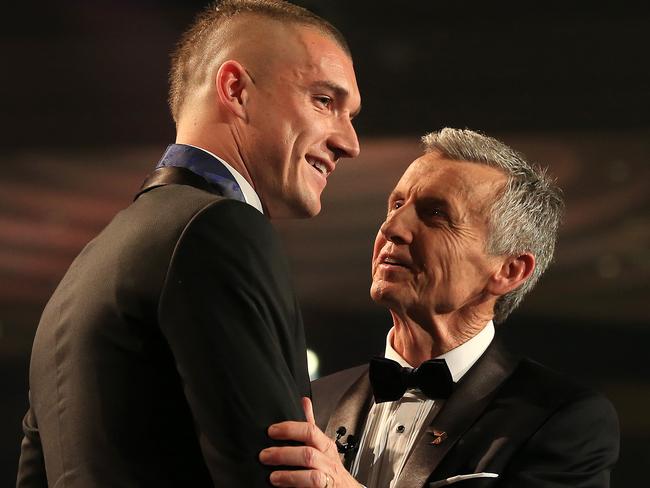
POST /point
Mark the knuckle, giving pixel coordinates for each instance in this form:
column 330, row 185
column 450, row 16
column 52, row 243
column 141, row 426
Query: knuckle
column 290, row 478
column 316, row 478
column 311, row 432
column 309, row 454
column 331, row 447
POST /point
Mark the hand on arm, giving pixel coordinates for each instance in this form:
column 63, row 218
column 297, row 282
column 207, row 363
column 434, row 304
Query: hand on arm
column 319, row 456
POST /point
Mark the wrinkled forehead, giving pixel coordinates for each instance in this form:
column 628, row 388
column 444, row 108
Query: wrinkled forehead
column 458, row 180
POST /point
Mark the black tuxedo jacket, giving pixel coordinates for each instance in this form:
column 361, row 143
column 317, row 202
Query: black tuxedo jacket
column 509, row 416
column 171, row 344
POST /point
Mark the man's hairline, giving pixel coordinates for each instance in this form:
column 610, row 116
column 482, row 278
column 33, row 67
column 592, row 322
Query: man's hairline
column 283, row 22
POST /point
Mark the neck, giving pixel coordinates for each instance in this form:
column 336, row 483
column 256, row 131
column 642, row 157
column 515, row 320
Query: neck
column 421, row 340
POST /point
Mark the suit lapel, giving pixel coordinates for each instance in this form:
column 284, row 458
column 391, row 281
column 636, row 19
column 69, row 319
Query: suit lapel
column 352, row 409
column 475, row 390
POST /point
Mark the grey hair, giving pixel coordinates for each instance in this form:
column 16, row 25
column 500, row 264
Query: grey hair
column 526, row 215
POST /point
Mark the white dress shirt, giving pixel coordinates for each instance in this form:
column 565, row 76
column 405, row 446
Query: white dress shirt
column 392, row 427
column 250, row 195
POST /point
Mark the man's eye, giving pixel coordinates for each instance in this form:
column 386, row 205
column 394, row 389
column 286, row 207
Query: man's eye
column 396, row 204
column 435, row 212
column 323, row 100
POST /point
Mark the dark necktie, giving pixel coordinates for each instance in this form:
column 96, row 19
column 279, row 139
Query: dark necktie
column 389, row 380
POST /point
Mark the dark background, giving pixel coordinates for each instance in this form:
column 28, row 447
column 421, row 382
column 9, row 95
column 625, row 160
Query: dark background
column 84, row 118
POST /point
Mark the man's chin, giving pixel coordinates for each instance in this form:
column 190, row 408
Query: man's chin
column 307, row 211
column 308, row 207
column 381, row 293
column 295, row 210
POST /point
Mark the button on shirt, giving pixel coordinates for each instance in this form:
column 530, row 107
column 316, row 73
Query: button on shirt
column 392, row 427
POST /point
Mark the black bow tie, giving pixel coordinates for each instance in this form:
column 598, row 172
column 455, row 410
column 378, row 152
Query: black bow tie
column 389, row 380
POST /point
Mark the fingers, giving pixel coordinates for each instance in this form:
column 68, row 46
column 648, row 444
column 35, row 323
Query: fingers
column 308, row 409
column 307, row 433
column 318, row 461
column 301, row 479
column 315, row 461
column 303, row 456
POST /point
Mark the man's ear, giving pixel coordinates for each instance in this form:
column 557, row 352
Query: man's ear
column 512, row 274
column 233, row 84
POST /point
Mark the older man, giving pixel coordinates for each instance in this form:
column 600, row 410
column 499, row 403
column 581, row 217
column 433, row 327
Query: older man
column 469, row 229
column 175, row 339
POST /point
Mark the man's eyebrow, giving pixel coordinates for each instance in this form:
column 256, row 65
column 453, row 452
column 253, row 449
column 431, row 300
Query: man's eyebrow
column 439, row 201
column 338, row 90
column 394, row 195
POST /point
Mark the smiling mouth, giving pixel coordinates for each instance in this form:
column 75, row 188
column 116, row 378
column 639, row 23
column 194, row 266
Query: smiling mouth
column 318, row 166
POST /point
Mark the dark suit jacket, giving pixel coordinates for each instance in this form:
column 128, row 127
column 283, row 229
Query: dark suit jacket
column 171, row 344
column 509, row 416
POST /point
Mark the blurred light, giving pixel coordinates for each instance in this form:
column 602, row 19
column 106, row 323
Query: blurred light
column 312, row 364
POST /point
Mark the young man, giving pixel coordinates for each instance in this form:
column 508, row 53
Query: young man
column 175, row 338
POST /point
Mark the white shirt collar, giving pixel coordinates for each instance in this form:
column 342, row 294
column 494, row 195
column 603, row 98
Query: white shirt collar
column 250, row 195
column 460, row 359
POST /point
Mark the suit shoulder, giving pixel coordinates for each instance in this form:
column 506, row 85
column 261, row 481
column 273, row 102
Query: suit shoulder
column 576, row 432
column 340, row 380
column 229, row 253
column 157, row 218
column 237, row 217
column 171, row 213
column 551, row 389
column 172, row 204
column 328, row 391
column 230, row 230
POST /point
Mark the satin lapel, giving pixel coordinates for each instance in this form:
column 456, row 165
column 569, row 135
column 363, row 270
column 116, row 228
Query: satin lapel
column 473, row 393
column 352, row 410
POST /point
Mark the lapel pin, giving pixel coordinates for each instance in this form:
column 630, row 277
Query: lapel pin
column 438, row 436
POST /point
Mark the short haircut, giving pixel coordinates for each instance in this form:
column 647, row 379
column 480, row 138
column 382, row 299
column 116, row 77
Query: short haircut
column 526, row 215
column 194, row 46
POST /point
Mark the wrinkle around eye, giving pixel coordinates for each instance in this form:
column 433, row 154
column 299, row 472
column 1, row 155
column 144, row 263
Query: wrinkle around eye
column 434, row 214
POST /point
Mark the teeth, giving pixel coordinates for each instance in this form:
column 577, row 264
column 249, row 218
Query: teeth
column 318, row 165
column 390, row 261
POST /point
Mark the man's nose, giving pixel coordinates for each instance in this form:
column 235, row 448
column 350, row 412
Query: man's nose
column 397, row 227
column 344, row 142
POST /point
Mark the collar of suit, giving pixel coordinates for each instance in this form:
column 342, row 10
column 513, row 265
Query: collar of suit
column 190, row 165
